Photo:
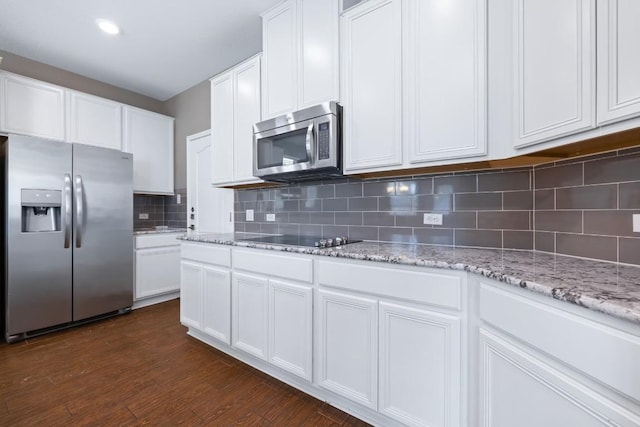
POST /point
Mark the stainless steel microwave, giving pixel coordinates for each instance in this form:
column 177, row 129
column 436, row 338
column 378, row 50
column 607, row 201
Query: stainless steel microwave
column 306, row 144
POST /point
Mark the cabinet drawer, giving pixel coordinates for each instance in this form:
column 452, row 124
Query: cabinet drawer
column 602, row 352
column 427, row 287
column 157, row 240
column 290, row 266
column 207, row 253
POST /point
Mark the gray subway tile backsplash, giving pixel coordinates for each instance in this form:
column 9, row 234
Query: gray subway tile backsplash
column 161, row 211
column 566, row 207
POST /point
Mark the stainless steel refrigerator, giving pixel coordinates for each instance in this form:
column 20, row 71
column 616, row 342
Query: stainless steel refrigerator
column 67, row 233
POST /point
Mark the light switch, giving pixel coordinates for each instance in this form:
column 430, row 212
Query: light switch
column 636, row 223
column 178, row 199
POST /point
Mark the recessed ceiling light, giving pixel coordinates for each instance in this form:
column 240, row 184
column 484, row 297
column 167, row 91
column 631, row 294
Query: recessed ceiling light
column 108, row 26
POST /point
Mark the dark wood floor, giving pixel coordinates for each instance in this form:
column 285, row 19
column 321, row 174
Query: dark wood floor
column 142, row 368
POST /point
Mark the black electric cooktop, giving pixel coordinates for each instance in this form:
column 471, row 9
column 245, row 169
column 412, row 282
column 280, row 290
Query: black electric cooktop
column 309, row 241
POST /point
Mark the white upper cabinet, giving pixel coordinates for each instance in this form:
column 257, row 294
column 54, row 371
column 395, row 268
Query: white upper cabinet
column 414, row 83
column 149, row 136
column 318, row 35
column 300, row 45
column 235, row 107
column 372, row 85
column 94, row 121
column 618, row 60
column 279, row 49
column 31, row 107
column 446, row 86
column 554, row 69
column 222, row 113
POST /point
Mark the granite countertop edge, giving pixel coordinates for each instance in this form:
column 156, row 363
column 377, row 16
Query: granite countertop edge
column 159, row 231
column 593, row 298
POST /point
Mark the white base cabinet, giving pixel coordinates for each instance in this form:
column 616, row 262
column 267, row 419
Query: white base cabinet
column 290, row 327
column 157, row 265
column 348, row 342
column 205, row 290
column 420, row 366
column 403, row 345
column 250, row 314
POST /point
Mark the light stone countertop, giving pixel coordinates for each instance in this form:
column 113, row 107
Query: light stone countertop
column 605, row 287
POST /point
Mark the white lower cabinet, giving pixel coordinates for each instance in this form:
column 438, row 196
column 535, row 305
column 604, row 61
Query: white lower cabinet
column 250, row 314
column 290, row 327
column 272, row 320
column 216, row 297
column 157, row 268
column 191, row 294
column 419, row 366
column 519, row 389
column 403, row 345
column 348, row 343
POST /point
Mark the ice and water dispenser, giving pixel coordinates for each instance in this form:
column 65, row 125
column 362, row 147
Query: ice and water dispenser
column 41, row 210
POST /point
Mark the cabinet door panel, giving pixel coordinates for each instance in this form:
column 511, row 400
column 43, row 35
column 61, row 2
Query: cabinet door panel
column 290, row 326
column 318, row 51
column 216, row 319
column 511, row 379
column 191, row 294
column 222, row 138
column 250, row 314
column 419, row 366
column 157, row 271
column 348, row 345
column 30, row 107
column 618, row 60
column 247, row 112
column 95, row 121
column 446, row 88
column 372, row 83
column 149, row 136
column 555, row 68
column 280, row 69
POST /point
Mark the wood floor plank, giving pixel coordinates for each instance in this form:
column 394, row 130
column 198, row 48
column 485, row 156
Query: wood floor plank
column 143, row 369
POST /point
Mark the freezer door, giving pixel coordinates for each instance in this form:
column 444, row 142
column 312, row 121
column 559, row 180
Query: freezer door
column 38, row 266
column 103, row 231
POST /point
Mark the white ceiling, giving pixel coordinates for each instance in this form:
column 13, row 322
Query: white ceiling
column 165, row 46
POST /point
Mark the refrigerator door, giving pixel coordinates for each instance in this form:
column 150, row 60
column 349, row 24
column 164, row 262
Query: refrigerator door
column 103, row 231
column 38, row 266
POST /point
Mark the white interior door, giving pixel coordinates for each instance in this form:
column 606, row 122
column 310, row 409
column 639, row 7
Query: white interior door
column 209, row 209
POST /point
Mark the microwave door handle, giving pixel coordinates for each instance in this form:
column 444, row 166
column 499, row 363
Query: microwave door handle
column 308, row 143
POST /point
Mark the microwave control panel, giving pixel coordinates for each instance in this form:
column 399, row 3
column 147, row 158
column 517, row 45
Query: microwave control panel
column 324, row 147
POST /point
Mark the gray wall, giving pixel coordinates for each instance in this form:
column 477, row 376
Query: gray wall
column 47, row 73
column 192, row 111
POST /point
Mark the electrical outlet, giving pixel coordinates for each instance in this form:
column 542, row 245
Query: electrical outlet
column 178, row 199
column 271, row 217
column 248, row 214
column 432, row 219
column 143, row 216
column 636, row 223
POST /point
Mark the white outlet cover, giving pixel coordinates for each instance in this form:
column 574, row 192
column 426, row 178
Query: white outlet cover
column 143, row 216
column 636, row 223
column 248, row 215
column 271, row 217
column 178, row 199
column 432, row 219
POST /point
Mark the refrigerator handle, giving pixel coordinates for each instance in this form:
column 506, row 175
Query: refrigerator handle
column 79, row 211
column 68, row 218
